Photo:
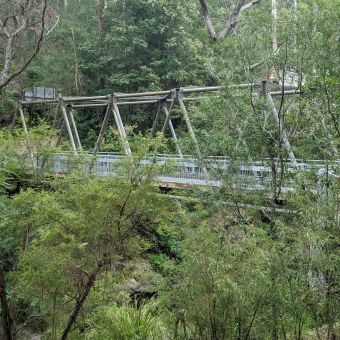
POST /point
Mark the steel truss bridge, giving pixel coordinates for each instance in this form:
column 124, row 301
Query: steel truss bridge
column 187, row 170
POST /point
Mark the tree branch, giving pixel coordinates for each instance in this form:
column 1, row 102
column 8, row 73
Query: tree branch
column 231, row 21
column 207, row 19
column 5, row 79
column 249, row 5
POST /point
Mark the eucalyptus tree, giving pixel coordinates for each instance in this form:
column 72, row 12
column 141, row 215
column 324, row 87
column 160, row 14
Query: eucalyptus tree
column 22, row 23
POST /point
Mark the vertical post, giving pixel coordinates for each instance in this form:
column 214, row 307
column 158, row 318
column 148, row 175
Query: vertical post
column 173, row 132
column 282, row 131
column 68, row 127
column 121, row 129
column 191, row 131
column 23, row 122
column 73, row 122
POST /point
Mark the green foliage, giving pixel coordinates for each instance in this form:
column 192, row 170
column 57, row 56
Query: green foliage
column 241, row 283
column 127, row 323
column 216, row 268
column 84, row 227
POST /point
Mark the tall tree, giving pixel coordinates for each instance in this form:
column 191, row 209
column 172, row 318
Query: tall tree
column 17, row 19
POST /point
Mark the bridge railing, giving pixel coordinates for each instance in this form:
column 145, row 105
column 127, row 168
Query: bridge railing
column 187, row 169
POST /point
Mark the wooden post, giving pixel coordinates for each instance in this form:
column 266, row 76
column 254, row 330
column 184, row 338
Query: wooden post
column 73, row 122
column 121, row 129
column 23, row 122
column 68, row 128
column 104, row 125
column 173, row 133
column 282, row 131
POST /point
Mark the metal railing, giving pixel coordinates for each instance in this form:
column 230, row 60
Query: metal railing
column 189, row 170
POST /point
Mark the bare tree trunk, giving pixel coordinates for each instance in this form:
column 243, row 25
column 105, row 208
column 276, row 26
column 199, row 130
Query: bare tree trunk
column 274, row 26
column 6, row 316
column 7, row 59
column 100, row 17
column 77, row 79
column 101, row 30
column 207, row 19
column 79, row 303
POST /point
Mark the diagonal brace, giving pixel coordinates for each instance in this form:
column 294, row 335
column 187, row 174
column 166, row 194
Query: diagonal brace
column 121, row 128
column 172, row 130
column 104, row 125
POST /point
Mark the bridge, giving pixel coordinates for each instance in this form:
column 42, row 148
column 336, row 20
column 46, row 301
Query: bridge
column 185, row 170
column 188, row 171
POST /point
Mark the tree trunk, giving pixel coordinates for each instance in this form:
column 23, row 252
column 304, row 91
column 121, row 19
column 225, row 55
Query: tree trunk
column 100, row 17
column 79, row 303
column 6, row 316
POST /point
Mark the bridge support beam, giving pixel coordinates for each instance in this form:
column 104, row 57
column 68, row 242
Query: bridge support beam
column 168, row 116
column 121, row 128
column 191, row 131
column 172, row 130
column 68, row 127
column 75, row 130
column 24, row 126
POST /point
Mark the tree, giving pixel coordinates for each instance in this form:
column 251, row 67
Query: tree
column 86, row 228
column 22, row 23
